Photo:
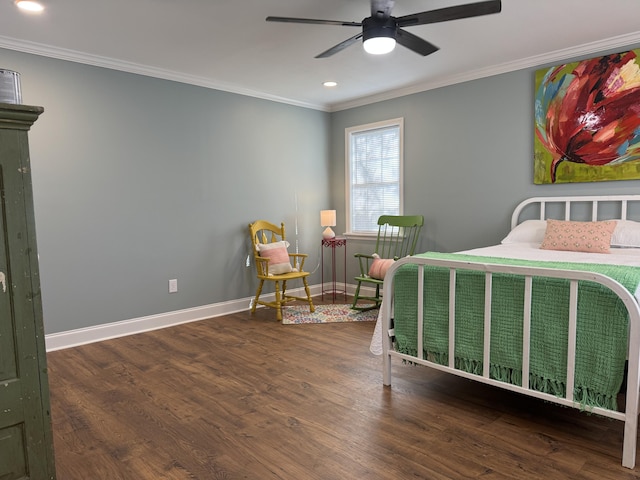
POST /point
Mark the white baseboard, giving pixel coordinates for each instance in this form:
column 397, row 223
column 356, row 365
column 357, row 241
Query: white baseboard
column 98, row 333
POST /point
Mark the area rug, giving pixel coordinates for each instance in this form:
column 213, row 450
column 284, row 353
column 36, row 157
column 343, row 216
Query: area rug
column 297, row 314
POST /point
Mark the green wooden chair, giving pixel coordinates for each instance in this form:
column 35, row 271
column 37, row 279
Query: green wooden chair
column 397, row 238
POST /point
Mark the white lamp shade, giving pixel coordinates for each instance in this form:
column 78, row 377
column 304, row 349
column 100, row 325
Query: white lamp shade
column 328, row 218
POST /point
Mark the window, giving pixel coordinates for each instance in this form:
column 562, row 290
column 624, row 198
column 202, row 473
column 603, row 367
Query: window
column 374, row 174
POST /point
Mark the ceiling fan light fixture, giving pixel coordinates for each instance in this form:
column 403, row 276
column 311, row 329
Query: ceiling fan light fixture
column 381, row 30
column 379, row 36
column 379, row 45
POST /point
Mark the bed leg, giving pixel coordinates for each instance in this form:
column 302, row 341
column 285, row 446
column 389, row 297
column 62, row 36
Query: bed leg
column 384, row 316
column 631, row 417
column 629, row 446
column 386, row 370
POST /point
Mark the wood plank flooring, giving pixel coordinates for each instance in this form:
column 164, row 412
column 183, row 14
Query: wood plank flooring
column 245, row 397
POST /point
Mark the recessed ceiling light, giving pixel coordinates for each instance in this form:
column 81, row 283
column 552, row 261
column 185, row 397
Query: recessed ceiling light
column 29, row 6
column 330, row 84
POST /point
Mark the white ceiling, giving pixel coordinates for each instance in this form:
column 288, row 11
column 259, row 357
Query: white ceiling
column 228, row 45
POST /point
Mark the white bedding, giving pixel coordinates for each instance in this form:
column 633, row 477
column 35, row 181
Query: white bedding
column 532, row 251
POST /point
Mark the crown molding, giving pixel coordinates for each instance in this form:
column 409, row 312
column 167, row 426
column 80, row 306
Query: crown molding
column 622, row 41
column 139, row 69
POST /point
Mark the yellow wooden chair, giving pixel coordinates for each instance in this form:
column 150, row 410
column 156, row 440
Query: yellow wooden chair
column 275, row 264
column 397, row 238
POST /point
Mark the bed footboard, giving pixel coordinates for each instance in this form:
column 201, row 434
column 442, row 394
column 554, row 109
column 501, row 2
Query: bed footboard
column 527, row 274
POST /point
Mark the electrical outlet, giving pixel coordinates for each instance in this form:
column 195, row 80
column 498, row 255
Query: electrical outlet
column 173, row 285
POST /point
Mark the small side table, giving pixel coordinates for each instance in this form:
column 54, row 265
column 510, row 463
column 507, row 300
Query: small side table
column 334, row 243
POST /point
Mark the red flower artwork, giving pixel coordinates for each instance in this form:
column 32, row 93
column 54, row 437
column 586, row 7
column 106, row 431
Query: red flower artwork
column 590, row 114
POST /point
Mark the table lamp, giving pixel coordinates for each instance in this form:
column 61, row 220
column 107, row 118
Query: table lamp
column 328, row 219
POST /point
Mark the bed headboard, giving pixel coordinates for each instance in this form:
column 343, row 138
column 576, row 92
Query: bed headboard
column 585, row 208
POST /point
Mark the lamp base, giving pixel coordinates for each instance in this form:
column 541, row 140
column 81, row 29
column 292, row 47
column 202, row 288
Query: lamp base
column 328, row 233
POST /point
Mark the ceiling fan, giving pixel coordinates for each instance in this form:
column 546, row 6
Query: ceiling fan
column 381, row 30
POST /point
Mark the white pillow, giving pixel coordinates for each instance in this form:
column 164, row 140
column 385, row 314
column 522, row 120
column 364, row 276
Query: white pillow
column 529, row 231
column 626, row 234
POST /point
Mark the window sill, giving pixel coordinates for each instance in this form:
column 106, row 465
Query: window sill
column 362, row 236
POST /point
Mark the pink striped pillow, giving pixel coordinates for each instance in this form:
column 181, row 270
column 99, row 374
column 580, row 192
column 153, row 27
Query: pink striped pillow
column 278, row 256
column 379, row 267
column 592, row 237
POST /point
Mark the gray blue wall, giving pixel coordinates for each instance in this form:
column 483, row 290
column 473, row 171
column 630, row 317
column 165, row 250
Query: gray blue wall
column 468, row 159
column 139, row 180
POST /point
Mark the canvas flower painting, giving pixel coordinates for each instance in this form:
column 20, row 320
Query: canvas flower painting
column 587, row 120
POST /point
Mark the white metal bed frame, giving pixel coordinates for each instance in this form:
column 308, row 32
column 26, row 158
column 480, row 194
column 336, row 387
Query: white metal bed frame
column 629, row 416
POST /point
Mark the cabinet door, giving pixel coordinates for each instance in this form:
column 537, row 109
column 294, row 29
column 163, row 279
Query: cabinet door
column 26, row 450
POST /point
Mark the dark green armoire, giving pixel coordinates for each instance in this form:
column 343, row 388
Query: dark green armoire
column 26, row 443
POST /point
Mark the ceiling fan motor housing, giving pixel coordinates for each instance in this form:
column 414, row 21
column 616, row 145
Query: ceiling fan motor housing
column 378, row 27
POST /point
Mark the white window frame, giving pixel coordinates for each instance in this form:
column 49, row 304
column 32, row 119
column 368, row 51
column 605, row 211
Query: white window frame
column 349, row 133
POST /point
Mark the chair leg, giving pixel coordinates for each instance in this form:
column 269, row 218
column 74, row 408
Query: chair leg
column 279, row 301
column 312, row 308
column 258, row 292
column 355, row 296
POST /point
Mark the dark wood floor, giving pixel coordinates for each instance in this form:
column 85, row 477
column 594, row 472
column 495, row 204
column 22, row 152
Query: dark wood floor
column 245, row 397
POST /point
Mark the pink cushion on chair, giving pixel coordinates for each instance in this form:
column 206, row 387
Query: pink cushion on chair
column 278, row 256
column 379, row 267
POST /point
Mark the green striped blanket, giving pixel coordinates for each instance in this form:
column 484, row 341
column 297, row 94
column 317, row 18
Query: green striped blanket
column 601, row 332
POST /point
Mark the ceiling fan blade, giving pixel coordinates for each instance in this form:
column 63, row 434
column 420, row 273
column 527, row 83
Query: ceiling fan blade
column 415, row 43
column 314, row 21
column 451, row 13
column 381, row 8
column 341, row 46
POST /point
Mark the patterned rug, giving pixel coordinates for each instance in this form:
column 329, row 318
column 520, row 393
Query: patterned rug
column 296, row 314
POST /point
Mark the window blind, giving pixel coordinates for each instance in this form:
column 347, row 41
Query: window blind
column 375, row 176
